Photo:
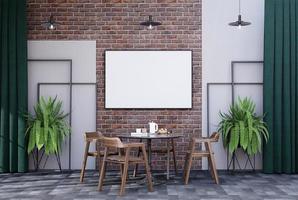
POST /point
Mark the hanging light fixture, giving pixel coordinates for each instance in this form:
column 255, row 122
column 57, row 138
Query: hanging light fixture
column 50, row 24
column 150, row 23
column 239, row 23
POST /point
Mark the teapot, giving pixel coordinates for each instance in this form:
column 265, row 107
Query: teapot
column 153, row 127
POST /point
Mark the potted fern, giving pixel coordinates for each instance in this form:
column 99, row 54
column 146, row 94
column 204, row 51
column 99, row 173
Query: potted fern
column 47, row 128
column 241, row 127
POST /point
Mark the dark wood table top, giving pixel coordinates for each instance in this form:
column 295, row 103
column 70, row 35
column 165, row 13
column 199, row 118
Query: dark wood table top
column 151, row 136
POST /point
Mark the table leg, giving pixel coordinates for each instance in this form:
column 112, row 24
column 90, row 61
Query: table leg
column 149, row 153
column 168, row 160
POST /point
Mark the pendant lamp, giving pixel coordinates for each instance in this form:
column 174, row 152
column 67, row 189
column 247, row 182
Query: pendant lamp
column 150, row 23
column 51, row 24
column 239, row 23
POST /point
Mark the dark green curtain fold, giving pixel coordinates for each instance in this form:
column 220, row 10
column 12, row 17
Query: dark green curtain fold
column 281, row 86
column 13, row 85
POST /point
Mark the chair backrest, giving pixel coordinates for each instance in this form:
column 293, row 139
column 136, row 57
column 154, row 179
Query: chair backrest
column 89, row 136
column 214, row 137
column 111, row 142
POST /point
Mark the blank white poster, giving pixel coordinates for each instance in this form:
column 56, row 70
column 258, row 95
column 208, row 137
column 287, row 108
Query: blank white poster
column 148, row 79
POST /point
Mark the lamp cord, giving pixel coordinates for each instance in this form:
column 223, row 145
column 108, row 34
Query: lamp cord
column 239, row 7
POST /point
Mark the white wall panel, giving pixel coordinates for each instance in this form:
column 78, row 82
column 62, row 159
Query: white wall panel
column 220, row 99
column 55, row 72
column 62, row 93
column 244, row 72
column 222, row 44
column 83, row 120
column 83, row 56
column 82, row 53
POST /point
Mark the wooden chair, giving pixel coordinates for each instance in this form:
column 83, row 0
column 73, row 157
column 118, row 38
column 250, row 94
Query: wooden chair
column 124, row 159
column 89, row 137
column 207, row 153
column 162, row 150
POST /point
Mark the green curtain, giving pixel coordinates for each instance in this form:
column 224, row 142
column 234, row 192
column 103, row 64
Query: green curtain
column 281, row 86
column 13, row 85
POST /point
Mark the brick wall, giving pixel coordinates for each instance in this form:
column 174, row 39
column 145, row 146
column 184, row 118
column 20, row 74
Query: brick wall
column 114, row 24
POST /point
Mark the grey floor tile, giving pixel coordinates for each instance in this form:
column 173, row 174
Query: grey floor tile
column 64, row 186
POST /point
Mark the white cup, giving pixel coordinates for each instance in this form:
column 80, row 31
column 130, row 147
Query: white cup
column 138, row 130
column 144, row 130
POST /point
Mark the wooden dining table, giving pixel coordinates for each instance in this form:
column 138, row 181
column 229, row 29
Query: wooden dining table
column 149, row 138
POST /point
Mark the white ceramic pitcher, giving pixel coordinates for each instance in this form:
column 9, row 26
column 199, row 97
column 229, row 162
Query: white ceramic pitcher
column 153, row 127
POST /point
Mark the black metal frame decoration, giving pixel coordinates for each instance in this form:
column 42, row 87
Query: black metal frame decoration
column 36, row 159
column 234, row 159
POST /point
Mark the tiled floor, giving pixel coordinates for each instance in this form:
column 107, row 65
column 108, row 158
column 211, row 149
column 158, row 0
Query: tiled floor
column 53, row 185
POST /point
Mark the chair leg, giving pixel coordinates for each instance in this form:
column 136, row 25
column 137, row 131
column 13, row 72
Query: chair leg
column 135, row 171
column 84, row 161
column 121, row 165
column 213, row 168
column 188, row 161
column 99, row 159
column 187, row 169
column 147, row 168
column 210, row 166
column 185, row 166
column 102, row 171
column 174, row 157
column 123, row 179
column 168, row 160
column 124, row 173
column 121, row 170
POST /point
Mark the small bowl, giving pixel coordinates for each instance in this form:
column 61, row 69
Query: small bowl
column 162, row 131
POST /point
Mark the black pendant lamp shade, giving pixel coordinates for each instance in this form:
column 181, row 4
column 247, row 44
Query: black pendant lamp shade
column 150, row 23
column 50, row 24
column 239, row 23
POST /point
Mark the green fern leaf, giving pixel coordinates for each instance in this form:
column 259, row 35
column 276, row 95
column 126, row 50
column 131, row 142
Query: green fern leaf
column 254, row 145
column 32, row 141
column 234, row 140
column 48, row 127
column 243, row 135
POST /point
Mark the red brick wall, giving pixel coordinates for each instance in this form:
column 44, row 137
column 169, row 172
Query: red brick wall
column 114, row 24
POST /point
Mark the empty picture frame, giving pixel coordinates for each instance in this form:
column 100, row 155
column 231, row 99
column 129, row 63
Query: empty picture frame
column 148, row 79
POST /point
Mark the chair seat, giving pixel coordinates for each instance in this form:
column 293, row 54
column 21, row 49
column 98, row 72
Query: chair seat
column 94, row 154
column 199, row 153
column 131, row 159
column 161, row 150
